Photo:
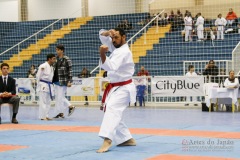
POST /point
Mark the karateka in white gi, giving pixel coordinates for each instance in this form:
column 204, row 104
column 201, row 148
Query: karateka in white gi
column 188, row 27
column 200, row 28
column 120, row 69
column 44, row 86
column 220, row 23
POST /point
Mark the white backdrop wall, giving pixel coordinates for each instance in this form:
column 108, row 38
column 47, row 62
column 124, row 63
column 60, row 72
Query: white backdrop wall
column 110, row 7
column 145, row 5
column 9, row 10
column 53, row 9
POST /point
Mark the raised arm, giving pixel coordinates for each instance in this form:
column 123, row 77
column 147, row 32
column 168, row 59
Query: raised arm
column 105, row 38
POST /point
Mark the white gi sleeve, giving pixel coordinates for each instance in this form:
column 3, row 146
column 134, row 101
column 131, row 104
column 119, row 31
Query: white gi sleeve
column 106, row 40
column 115, row 62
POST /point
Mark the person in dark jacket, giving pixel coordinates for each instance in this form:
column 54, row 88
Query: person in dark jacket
column 211, row 70
column 85, row 74
column 8, row 91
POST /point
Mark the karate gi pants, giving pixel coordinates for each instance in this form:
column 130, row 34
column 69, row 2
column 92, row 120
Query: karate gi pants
column 220, row 34
column 113, row 126
column 44, row 104
column 188, row 35
column 200, row 34
column 61, row 102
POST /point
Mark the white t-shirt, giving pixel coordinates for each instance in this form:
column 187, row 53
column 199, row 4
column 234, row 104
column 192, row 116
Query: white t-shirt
column 227, row 83
column 188, row 74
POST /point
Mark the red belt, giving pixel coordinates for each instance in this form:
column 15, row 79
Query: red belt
column 109, row 87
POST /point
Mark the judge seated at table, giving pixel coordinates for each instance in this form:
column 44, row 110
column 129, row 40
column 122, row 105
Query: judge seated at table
column 232, row 83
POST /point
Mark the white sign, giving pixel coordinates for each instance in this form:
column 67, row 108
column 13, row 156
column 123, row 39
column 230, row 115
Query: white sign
column 81, row 87
column 177, row 86
column 24, row 86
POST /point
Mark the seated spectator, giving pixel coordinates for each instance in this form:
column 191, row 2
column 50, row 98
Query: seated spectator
column 231, row 17
column 143, row 22
column 8, row 92
column 179, row 19
column 125, row 25
column 165, row 19
column 32, row 71
column 32, row 74
column 209, row 33
column 186, row 13
column 232, row 83
column 179, row 14
column 211, row 70
column 158, row 20
column 171, row 16
column 85, row 74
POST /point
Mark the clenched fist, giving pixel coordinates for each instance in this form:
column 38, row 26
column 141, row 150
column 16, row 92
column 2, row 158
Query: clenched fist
column 103, row 49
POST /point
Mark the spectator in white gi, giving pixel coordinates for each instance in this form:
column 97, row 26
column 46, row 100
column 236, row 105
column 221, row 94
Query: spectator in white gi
column 220, row 23
column 188, row 27
column 191, row 73
column 121, row 89
column 44, row 86
column 200, row 28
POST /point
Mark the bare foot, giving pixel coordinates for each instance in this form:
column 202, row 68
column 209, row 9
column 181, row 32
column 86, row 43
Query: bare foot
column 107, row 143
column 130, row 142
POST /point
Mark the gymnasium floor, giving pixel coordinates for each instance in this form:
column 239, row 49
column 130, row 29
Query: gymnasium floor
column 161, row 134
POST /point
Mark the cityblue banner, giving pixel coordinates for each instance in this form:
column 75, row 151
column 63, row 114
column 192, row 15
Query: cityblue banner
column 177, row 86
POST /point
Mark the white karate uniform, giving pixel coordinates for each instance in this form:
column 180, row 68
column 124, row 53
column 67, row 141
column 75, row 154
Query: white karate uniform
column 45, row 72
column 188, row 28
column 220, row 23
column 227, row 83
column 61, row 102
column 120, row 67
column 193, row 74
column 200, row 28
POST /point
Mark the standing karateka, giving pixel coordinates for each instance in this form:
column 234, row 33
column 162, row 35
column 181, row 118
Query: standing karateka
column 200, row 28
column 62, row 79
column 220, row 23
column 44, row 86
column 188, row 27
column 121, row 89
